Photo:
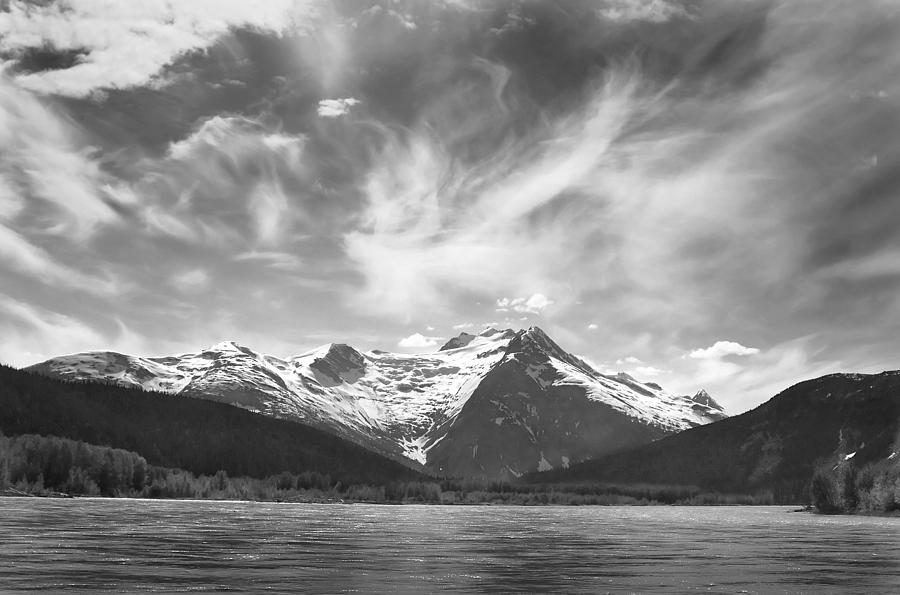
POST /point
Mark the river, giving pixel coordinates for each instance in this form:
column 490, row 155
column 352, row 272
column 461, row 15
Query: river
column 107, row 545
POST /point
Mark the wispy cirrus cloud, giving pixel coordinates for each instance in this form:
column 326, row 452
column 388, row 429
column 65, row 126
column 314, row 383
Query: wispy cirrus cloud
column 414, row 216
column 44, row 158
column 227, row 160
column 21, row 256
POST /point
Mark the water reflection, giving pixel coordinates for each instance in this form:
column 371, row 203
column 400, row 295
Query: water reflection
column 89, row 545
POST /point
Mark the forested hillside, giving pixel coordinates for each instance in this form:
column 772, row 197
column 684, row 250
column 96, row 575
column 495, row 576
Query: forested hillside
column 774, row 447
column 180, row 432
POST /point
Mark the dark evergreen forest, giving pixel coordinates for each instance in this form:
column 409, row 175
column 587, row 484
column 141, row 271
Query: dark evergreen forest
column 196, row 435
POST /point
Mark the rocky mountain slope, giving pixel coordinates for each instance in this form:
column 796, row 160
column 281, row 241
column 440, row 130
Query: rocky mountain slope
column 496, row 404
column 773, row 447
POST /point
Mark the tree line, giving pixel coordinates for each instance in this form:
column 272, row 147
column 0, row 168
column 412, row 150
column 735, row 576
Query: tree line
column 49, row 465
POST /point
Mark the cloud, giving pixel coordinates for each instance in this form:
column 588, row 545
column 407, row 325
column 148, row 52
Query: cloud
column 463, row 326
column 599, row 367
column 629, row 360
column 592, row 327
column 722, row 349
column 270, row 206
column 882, row 264
column 333, row 108
column 653, row 11
column 757, row 379
column 44, row 331
column 377, row 13
column 220, row 134
column 11, row 201
column 474, row 229
column 45, row 160
column 515, row 21
column 533, row 305
column 19, row 255
column 226, row 165
column 418, row 341
column 272, row 260
column 190, row 281
column 213, row 134
column 124, row 44
column 647, row 371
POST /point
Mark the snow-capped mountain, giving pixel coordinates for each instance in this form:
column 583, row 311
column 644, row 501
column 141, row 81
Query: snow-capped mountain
column 490, row 405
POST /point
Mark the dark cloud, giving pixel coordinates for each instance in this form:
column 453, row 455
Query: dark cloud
column 45, row 57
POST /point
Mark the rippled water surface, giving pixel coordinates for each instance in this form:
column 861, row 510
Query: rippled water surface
column 95, row 545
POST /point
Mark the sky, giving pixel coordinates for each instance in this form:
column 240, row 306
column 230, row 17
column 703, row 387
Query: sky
column 698, row 193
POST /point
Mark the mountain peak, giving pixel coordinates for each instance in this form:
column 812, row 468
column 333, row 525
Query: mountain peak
column 342, row 350
column 338, row 363
column 703, row 398
column 456, row 342
column 491, row 334
column 226, row 346
column 537, row 334
column 535, row 341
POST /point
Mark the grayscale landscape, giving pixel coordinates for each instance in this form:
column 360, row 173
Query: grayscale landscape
column 418, row 296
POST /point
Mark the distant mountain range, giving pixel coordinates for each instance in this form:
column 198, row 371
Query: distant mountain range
column 491, row 406
column 494, row 405
column 835, row 418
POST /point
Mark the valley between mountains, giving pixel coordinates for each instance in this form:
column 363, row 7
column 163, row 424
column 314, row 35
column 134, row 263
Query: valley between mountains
column 495, row 405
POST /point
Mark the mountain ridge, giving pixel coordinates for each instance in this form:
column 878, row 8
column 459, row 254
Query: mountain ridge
column 405, row 405
column 774, row 446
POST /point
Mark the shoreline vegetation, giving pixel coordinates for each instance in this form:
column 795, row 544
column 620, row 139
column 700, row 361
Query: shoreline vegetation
column 843, row 487
column 34, row 465
column 51, row 467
